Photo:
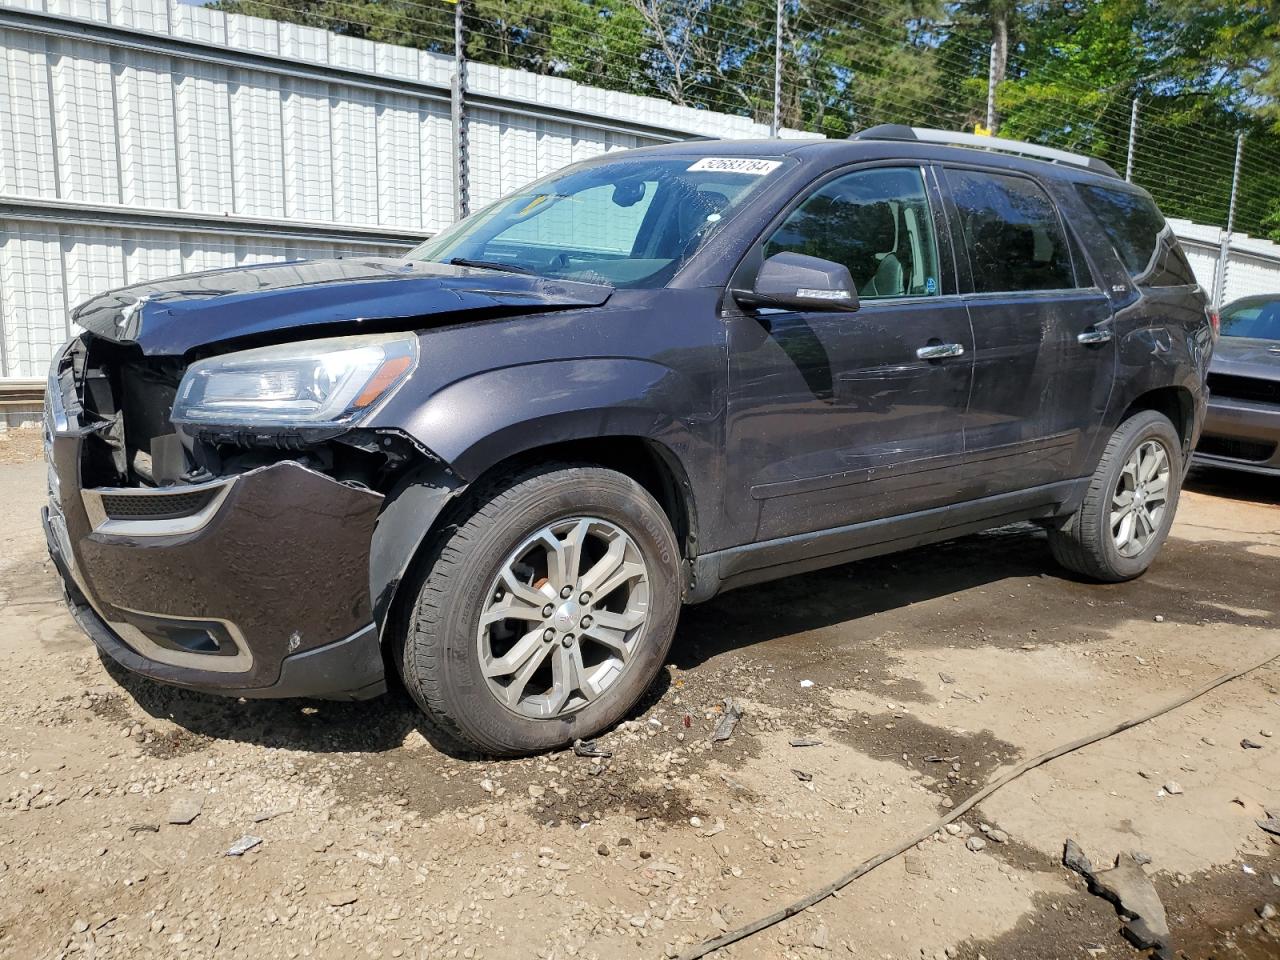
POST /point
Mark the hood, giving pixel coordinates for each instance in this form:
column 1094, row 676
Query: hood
column 1247, row 357
column 170, row 317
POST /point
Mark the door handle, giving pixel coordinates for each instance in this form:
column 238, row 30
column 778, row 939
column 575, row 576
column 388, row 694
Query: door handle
column 1094, row 335
column 937, row 351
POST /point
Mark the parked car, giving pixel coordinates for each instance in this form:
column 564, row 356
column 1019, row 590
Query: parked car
column 499, row 465
column 1242, row 427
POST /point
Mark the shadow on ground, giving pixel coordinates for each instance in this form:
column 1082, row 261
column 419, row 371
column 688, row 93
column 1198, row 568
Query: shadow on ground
column 1003, row 584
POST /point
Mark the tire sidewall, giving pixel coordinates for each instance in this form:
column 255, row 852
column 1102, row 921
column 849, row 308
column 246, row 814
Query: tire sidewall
column 564, row 494
column 1144, row 427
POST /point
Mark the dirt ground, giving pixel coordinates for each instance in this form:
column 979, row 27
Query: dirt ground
column 930, row 672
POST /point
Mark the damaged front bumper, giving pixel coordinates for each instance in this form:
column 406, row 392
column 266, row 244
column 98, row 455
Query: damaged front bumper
column 255, row 585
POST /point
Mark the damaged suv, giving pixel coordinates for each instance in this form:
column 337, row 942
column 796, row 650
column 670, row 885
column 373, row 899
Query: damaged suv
column 499, row 465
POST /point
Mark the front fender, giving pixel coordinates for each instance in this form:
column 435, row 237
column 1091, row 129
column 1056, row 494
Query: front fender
column 486, row 418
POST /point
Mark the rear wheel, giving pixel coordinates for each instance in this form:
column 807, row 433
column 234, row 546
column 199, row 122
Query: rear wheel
column 1129, row 506
column 546, row 611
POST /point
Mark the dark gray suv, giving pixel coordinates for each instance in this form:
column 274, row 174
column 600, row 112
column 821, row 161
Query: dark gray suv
column 500, row 465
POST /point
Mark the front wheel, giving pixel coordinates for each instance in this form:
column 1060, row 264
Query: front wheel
column 546, row 610
column 1129, row 506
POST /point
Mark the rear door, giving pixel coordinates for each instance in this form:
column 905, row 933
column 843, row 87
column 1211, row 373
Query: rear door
column 1044, row 353
column 837, row 418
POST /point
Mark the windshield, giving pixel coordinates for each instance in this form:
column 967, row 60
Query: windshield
column 627, row 223
column 1259, row 319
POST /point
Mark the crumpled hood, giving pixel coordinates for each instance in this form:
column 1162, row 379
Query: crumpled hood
column 170, row 317
column 1247, row 357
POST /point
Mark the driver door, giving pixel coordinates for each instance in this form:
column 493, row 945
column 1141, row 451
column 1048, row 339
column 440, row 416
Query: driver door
column 838, row 418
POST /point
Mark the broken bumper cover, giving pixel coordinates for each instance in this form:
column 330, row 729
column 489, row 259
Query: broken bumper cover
column 261, row 591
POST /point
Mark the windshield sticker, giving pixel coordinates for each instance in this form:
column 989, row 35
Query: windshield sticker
column 930, row 285
column 748, row 165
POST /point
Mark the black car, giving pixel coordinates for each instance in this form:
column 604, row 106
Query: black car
column 500, row 465
column 1242, row 427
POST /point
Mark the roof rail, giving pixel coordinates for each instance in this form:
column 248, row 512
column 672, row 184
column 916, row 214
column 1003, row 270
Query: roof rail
column 899, row 131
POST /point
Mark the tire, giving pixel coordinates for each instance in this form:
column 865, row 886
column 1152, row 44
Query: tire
column 441, row 659
column 1086, row 544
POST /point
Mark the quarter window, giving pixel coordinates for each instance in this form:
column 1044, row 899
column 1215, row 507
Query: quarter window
column 875, row 222
column 1012, row 232
column 1138, row 232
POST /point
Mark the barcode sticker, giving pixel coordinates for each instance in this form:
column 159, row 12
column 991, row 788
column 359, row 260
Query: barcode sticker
column 749, row 165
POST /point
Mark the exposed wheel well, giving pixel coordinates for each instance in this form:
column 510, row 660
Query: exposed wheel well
column 1175, row 403
column 650, row 464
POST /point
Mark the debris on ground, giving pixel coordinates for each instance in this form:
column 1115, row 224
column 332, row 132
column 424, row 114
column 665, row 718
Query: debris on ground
column 802, row 775
column 138, row 828
column 975, row 844
column 1250, row 745
column 589, row 748
column 805, row 742
column 806, row 684
column 1173, row 788
column 243, row 845
column 728, row 720
column 185, row 808
column 1129, row 888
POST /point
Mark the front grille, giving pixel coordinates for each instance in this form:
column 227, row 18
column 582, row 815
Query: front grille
column 1237, row 449
column 1244, row 388
column 155, row 505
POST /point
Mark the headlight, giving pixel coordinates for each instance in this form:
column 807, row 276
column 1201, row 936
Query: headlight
column 315, row 383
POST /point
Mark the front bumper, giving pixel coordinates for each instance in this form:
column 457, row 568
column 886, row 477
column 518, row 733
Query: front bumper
column 263, row 592
column 1241, row 435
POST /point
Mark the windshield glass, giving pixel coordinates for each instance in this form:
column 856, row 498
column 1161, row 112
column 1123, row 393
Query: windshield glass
column 1258, row 319
column 627, row 223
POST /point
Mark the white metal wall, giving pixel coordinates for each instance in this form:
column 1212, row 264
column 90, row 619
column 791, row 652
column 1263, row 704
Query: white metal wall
column 324, row 146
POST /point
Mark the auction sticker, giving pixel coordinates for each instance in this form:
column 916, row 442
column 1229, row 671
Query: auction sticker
column 749, row 165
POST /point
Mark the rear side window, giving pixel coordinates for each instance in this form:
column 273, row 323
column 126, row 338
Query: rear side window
column 1012, row 231
column 875, row 222
column 1139, row 234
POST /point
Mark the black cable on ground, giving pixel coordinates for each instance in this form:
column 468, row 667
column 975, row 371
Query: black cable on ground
column 807, row 901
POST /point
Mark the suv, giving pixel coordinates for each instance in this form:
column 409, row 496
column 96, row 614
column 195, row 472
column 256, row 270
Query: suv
column 501, row 463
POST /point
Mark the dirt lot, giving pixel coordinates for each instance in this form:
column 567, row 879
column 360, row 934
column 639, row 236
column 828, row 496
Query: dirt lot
column 375, row 843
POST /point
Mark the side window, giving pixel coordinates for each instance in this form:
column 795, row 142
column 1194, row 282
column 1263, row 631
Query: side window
column 875, row 222
column 1012, row 232
column 1138, row 232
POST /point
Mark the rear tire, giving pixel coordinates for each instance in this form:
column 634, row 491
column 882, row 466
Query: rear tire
column 525, row 543
column 1130, row 503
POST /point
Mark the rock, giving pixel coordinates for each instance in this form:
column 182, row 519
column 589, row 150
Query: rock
column 1271, row 825
column 953, row 829
column 478, row 825
column 1158, row 618
column 1248, row 744
column 243, row 845
column 603, row 850
column 975, row 844
column 821, row 937
column 1209, row 741
column 946, row 678
column 1128, row 887
column 805, row 742
column 1073, row 858
column 262, row 816
column 340, row 898
column 1267, row 911
column 728, row 721
column 536, row 791
column 1173, row 788
column 185, row 808
column 806, row 684
column 998, row 836
column 80, row 926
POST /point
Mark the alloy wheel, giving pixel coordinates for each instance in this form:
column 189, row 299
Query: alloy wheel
column 1140, row 498
column 563, row 617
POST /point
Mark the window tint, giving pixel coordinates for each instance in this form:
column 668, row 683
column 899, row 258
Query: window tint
column 1259, row 319
column 1138, row 233
column 875, row 222
column 1012, row 231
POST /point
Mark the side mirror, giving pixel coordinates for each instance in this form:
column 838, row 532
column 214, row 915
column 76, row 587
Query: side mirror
column 794, row 281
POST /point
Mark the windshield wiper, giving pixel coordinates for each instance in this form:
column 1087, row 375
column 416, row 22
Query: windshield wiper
column 490, row 265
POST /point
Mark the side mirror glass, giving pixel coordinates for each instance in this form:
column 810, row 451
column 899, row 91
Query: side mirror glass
column 794, row 281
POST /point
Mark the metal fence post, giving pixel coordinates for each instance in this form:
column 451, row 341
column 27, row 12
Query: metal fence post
column 1224, row 253
column 457, row 109
column 776, row 125
column 991, row 90
column 1133, row 141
